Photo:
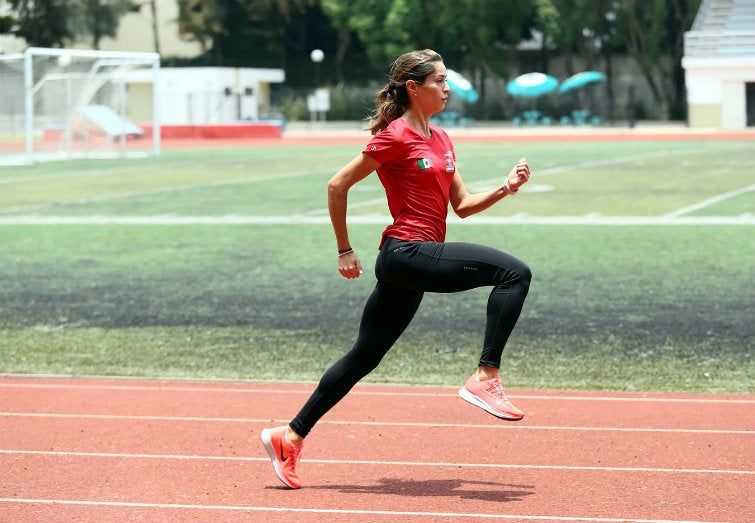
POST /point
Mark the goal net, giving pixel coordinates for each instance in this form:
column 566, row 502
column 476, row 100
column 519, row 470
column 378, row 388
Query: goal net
column 59, row 104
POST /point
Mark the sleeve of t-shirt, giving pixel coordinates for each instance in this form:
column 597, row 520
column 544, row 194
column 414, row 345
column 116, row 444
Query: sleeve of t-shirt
column 384, row 147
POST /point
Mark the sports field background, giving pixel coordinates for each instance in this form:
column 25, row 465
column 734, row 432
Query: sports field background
column 220, row 263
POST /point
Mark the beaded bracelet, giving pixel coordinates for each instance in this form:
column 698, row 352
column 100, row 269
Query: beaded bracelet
column 344, row 252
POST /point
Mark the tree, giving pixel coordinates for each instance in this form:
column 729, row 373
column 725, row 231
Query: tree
column 654, row 36
column 480, row 34
column 575, row 28
column 201, row 21
column 6, row 24
column 583, row 29
column 471, row 34
column 270, row 29
column 386, row 29
column 98, row 18
column 53, row 23
column 244, row 32
column 42, row 23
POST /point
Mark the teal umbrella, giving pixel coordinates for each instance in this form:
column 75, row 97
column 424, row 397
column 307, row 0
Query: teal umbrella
column 580, row 80
column 532, row 85
column 461, row 87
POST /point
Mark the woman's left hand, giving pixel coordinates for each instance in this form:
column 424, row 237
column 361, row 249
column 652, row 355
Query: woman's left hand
column 519, row 175
column 349, row 265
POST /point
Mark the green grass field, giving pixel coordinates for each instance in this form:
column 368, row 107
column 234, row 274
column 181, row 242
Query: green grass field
column 220, row 264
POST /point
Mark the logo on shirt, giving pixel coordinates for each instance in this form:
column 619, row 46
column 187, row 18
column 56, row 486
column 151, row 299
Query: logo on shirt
column 424, row 163
column 449, row 156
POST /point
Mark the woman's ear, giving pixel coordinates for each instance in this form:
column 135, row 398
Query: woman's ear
column 412, row 88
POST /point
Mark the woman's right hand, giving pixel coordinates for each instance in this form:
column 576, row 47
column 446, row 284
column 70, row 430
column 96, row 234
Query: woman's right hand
column 349, row 265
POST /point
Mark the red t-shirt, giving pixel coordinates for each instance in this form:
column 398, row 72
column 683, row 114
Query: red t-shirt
column 416, row 173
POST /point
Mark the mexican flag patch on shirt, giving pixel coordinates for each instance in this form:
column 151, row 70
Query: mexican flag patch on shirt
column 424, row 163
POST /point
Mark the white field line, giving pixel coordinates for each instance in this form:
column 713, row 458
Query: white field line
column 98, row 171
column 539, row 173
column 161, row 190
column 402, row 515
column 710, row 201
column 94, row 172
column 507, row 427
column 389, row 463
column 375, row 219
column 489, row 183
column 156, row 385
column 262, row 220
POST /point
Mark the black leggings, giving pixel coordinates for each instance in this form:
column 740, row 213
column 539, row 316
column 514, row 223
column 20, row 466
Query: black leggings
column 405, row 271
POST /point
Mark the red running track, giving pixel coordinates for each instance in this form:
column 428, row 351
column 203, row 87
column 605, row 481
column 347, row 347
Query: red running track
column 97, row 450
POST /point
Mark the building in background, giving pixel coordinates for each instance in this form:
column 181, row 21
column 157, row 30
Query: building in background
column 216, row 95
column 141, row 31
column 719, row 64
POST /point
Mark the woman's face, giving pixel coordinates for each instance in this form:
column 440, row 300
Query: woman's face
column 432, row 94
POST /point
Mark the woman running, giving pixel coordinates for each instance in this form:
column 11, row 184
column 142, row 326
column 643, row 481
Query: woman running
column 416, row 163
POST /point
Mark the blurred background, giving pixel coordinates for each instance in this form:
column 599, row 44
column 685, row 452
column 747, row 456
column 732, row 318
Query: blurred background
column 344, row 46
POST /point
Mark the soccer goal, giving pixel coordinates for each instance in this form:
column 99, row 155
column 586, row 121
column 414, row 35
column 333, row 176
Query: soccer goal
column 61, row 104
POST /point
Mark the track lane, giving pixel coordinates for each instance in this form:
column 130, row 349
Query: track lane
column 266, row 401
column 240, row 440
column 110, row 450
column 387, row 488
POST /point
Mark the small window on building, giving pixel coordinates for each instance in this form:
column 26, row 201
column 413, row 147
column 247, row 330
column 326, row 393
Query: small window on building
column 750, row 103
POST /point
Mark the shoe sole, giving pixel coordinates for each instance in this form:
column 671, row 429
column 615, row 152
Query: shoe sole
column 477, row 402
column 268, row 443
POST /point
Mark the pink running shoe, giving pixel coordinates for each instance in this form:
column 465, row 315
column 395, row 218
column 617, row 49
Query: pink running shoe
column 283, row 454
column 489, row 396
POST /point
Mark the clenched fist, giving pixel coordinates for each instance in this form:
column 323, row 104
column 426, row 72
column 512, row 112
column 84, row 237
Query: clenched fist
column 518, row 176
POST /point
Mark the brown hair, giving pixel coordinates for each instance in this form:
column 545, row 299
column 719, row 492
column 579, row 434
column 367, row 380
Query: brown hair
column 392, row 100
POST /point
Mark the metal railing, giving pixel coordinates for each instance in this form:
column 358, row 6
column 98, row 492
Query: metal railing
column 701, row 44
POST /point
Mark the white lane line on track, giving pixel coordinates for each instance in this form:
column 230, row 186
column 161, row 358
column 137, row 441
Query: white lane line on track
column 354, row 512
column 389, row 463
column 170, row 386
column 519, row 426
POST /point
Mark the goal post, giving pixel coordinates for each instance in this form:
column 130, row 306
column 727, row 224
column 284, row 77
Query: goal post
column 58, row 104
